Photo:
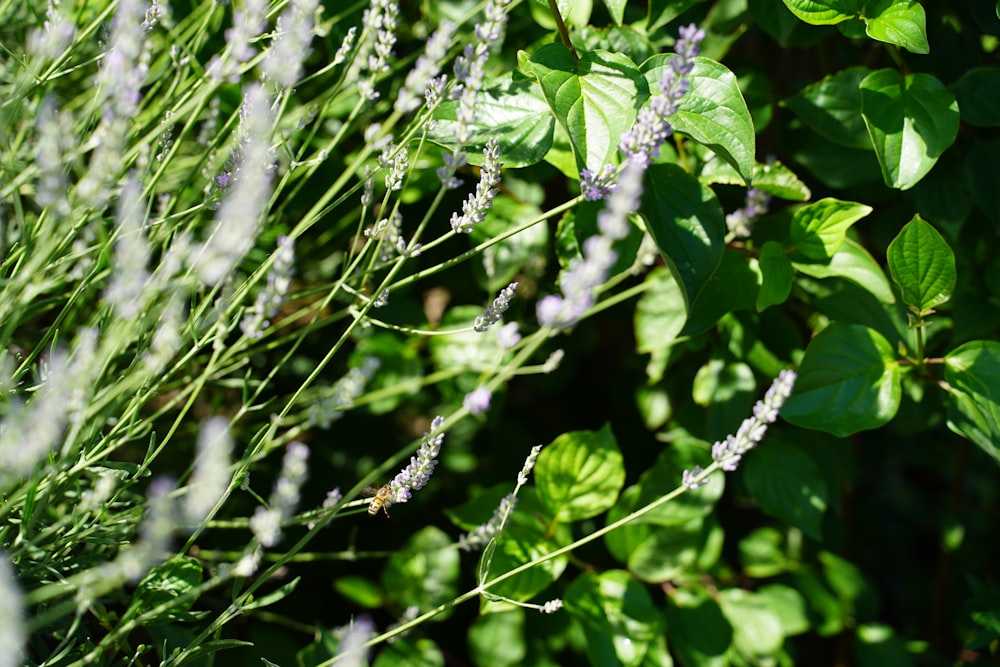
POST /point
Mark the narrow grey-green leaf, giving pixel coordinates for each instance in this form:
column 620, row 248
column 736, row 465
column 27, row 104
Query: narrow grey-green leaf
column 686, row 221
column 712, row 111
column 899, row 22
column 848, row 381
column 595, row 98
column 923, row 265
column 911, row 120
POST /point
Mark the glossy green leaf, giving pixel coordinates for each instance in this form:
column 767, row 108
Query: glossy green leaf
column 818, row 229
column 787, row 484
column 733, row 286
column 972, row 372
column 852, row 262
column 773, row 178
column 594, row 99
column 700, row 633
column 836, row 166
column 512, row 112
column 978, row 95
column 923, row 265
column 423, row 573
column 580, row 474
column 662, row 12
column 776, row 276
column 659, row 553
column 660, row 314
column 526, row 538
column 848, row 381
column 686, row 221
column 823, row 12
column 911, row 120
column 409, row 652
column 789, row 605
column 359, row 590
column 879, row 644
column 616, row 8
column 982, row 170
column 618, row 616
column 832, row 108
column 763, row 553
column 712, row 111
column 899, row 22
column 757, row 631
column 497, row 640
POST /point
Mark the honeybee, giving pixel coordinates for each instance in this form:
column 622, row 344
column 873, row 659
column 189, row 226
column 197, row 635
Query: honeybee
column 380, row 497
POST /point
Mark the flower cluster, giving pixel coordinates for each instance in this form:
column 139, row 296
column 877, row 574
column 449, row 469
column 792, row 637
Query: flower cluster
column 283, row 59
column 474, row 208
column 597, row 184
column 728, row 452
column 416, row 475
column 493, row 313
column 529, row 464
column 379, row 20
column 642, row 142
column 211, row 475
column 426, row 68
column 740, row 222
column 477, row 401
column 266, row 522
column 269, row 300
column 585, row 274
column 481, row 535
column 343, row 394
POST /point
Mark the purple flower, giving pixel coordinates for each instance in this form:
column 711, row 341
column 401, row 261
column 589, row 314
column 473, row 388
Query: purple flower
column 728, row 452
column 493, row 314
column 477, row 401
column 416, row 475
column 474, row 208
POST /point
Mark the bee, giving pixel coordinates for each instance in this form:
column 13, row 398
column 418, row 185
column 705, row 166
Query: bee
column 380, row 498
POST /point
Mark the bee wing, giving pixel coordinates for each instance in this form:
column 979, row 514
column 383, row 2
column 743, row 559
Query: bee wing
column 369, row 491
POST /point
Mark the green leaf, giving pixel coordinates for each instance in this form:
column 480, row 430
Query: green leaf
column 923, row 265
column 497, row 640
column 593, row 99
column 978, row 95
column 408, row 652
column 757, row 631
column 617, row 614
column 972, row 372
column 712, row 111
column 773, row 178
column 424, row 572
column 787, row 484
column 359, row 590
column 166, row 583
column 763, row 553
column 911, row 120
column 700, row 634
column 616, row 8
column 512, row 112
column 733, row 286
column 853, row 263
column 686, row 221
column 983, row 173
column 776, row 276
column 512, row 255
column 899, row 22
column 526, row 538
column 832, row 108
column 667, row 474
column 659, row 317
column 658, row 553
column 823, row 12
column 818, row 229
column 789, row 605
column 580, row 474
column 848, row 382
column 662, row 12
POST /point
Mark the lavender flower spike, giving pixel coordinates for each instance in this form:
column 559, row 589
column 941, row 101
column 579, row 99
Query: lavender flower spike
column 474, row 208
column 416, row 475
column 493, row 313
column 728, row 452
column 642, row 142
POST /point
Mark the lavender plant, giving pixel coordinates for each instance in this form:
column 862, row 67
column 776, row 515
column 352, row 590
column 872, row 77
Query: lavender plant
column 257, row 257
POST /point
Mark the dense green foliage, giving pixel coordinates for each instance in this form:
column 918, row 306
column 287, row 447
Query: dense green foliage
column 231, row 300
